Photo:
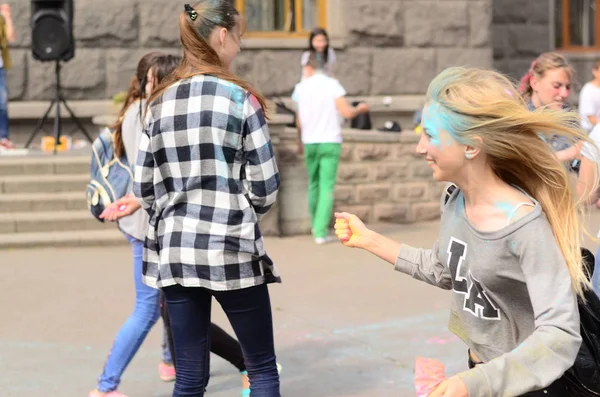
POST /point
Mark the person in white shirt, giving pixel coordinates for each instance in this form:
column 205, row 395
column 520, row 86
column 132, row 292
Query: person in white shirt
column 589, row 100
column 321, row 107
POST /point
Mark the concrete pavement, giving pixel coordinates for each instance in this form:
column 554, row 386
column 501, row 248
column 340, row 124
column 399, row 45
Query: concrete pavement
column 345, row 323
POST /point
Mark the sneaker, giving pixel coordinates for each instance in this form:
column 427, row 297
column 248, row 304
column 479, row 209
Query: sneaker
column 6, row 143
column 96, row 393
column 166, row 372
column 323, row 240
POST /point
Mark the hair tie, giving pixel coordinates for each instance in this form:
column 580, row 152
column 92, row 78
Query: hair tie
column 524, row 84
column 191, row 12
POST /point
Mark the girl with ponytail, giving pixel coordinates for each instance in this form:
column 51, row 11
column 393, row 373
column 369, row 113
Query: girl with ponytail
column 206, row 174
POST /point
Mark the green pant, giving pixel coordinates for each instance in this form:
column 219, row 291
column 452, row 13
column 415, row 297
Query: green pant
column 322, row 161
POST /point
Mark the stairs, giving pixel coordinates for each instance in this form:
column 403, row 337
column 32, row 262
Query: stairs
column 42, row 204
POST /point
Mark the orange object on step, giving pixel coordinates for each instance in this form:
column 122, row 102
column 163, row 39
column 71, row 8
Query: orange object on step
column 49, row 141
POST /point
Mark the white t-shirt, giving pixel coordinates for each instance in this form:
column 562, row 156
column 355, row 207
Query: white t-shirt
column 589, row 105
column 319, row 118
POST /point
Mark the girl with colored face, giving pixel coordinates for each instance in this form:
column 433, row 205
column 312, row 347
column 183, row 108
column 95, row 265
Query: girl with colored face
column 509, row 241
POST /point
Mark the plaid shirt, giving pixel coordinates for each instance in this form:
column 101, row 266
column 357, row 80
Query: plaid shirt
column 206, row 173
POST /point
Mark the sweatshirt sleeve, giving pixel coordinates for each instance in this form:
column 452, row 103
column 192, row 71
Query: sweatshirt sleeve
column 424, row 265
column 550, row 350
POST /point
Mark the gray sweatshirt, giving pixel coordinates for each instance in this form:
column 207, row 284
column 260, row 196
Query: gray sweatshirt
column 512, row 301
column 136, row 224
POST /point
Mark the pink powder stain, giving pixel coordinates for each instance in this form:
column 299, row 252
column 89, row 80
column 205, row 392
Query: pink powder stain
column 441, row 341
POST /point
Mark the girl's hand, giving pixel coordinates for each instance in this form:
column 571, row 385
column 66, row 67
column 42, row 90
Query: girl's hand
column 121, row 208
column 451, row 387
column 350, row 230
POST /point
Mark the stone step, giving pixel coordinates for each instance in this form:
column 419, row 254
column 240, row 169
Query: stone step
column 44, row 165
column 24, row 202
column 44, row 183
column 63, row 239
column 35, row 222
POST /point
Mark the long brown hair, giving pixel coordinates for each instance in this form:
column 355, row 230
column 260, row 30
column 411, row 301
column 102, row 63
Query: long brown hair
column 135, row 92
column 484, row 104
column 543, row 63
column 198, row 56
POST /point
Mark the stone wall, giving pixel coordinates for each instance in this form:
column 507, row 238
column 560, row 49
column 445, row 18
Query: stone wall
column 520, row 32
column 391, row 47
column 380, row 179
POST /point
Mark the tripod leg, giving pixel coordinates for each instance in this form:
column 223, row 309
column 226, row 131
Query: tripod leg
column 40, row 123
column 57, row 126
column 76, row 120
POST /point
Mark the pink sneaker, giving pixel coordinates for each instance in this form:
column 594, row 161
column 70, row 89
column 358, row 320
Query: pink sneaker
column 96, row 393
column 4, row 142
column 166, row 372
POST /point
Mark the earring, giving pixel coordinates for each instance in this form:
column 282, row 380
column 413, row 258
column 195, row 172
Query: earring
column 468, row 156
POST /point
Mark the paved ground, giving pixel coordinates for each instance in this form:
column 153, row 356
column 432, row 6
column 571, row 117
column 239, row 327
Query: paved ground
column 345, row 323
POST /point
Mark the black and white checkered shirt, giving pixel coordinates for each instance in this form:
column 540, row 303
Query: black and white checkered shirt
column 206, row 173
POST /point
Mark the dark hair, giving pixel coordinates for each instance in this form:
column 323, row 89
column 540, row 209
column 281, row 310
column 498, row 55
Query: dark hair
column 316, row 32
column 161, row 68
column 135, row 92
column 196, row 24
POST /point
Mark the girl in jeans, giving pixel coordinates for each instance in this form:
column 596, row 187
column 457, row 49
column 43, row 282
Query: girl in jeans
column 206, row 174
column 146, row 312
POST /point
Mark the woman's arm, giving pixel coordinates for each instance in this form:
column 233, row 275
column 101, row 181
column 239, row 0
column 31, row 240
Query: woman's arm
column 586, row 181
column 143, row 185
column 571, row 153
column 262, row 175
column 421, row 264
column 6, row 12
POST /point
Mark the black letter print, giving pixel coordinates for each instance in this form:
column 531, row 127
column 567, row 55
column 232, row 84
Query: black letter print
column 457, row 250
column 478, row 303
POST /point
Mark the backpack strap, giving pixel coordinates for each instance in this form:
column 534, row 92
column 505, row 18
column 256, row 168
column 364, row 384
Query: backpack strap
column 449, row 190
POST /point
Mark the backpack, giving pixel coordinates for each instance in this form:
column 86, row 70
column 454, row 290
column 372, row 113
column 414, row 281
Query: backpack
column 584, row 376
column 362, row 121
column 110, row 177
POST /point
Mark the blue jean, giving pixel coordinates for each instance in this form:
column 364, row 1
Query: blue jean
column 134, row 331
column 596, row 274
column 248, row 311
column 3, row 105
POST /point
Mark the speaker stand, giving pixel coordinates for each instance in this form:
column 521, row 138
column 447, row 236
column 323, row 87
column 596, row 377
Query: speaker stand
column 57, row 101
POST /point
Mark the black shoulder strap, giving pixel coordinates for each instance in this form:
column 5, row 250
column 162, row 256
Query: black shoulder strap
column 449, row 190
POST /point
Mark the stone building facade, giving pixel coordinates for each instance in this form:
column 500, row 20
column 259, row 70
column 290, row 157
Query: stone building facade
column 384, row 47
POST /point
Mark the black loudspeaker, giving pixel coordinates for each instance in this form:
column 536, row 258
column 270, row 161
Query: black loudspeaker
column 52, row 30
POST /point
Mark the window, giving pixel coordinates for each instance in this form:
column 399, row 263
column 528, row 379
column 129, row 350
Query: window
column 281, row 17
column 575, row 24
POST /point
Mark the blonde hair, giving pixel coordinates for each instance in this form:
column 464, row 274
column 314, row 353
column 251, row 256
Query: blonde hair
column 482, row 103
column 543, row 63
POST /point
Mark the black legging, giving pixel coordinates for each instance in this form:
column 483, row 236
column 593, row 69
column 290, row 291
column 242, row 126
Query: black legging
column 221, row 343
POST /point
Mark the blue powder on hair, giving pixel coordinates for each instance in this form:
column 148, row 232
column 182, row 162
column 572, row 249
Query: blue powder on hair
column 434, row 121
